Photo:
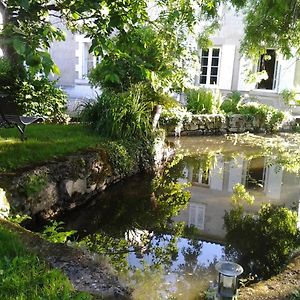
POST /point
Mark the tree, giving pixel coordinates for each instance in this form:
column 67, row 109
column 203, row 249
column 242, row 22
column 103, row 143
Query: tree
column 270, row 24
column 29, row 27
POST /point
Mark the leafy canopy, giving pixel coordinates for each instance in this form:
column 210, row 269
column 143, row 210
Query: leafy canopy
column 270, row 24
column 29, row 27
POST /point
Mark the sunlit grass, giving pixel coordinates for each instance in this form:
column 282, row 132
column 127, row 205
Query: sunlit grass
column 44, row 142
column 24, row 276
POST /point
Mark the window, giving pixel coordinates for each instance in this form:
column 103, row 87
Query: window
column 255, row 178
column 87, row 60
column 197, row 215
column 268, row 63
column 210, row 66
column 201, row 177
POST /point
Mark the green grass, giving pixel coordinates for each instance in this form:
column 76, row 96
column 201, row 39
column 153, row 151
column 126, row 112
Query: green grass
column 23, row 276
column 44, row 142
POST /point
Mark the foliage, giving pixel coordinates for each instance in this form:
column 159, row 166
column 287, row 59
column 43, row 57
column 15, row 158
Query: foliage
column 262, row 243
column 141, row 56
column 40, row 96
column 272, row 24
column 34, row 94
column 288, row 97
column 7, row 74
column 122, row 115
column 240, row 194
column 25, row 276
column 28, row 30
column 231, row 103
column 203, row 101
column 175, row 117
column 33, row 184
column 295, row 295
column 285, row 147
column 122, row 158
column 54, row 233
column 269, row 117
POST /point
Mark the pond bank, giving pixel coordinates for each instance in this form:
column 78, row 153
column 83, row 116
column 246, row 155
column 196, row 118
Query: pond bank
column 279, row 287
column 63, row 184
column 87, row 271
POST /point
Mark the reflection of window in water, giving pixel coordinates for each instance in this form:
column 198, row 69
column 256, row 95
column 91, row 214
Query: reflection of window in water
column 197, row 215
column 255, row 177
column 201, row 177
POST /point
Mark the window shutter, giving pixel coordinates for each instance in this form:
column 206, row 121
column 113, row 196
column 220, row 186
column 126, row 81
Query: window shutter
column 226, row 67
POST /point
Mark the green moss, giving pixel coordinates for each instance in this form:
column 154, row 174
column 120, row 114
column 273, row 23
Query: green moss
column 34, row 184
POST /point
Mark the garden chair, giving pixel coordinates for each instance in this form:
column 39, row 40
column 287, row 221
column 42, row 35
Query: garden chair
column 9, row 116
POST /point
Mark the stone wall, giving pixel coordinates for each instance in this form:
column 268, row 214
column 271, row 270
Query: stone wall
column 63, row 184
column 220, row 124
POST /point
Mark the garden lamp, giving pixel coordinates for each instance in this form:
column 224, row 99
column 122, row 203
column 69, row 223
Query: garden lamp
column 227, row 279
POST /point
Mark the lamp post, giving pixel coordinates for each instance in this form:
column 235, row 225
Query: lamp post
column 227, row 279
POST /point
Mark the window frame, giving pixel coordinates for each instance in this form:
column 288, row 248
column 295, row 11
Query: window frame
column 276, row 70
column 210, row 66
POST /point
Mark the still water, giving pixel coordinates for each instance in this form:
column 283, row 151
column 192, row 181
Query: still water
column 164, row 235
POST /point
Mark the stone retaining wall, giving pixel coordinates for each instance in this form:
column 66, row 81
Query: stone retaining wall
column 66, row 183
column 219, row 124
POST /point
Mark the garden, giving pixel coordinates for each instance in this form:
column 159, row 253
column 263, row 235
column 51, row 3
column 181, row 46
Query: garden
column 104, row 194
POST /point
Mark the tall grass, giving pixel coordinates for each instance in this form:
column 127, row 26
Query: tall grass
column 122, row 115
column 203, row 101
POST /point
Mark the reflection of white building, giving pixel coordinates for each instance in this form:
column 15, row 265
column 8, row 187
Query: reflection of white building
column 211, row 190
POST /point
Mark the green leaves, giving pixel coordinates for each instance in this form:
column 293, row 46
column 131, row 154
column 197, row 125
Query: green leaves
column 263, row 242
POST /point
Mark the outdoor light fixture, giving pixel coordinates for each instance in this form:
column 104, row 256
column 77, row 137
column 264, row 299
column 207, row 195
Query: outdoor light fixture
column 227, row 279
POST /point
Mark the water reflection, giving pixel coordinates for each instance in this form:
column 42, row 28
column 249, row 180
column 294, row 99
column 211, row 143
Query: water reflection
column 214, row 174
column 165, row 245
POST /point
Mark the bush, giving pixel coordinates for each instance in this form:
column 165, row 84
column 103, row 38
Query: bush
column 202, row 101
column 269, row 117
column 231, row 104
column 123, row 115
column 40, row 96
column 262, row 243
column 7, row 75
column 34, row 95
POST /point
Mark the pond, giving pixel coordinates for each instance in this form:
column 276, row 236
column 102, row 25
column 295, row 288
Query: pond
column 165, row 234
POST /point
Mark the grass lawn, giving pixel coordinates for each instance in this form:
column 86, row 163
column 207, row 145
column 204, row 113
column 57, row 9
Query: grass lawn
column 44, row 142
column 24, row 276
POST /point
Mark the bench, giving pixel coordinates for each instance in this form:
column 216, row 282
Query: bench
column 9, row 116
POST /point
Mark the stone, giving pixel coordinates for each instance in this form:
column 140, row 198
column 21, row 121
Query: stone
column 4, row 205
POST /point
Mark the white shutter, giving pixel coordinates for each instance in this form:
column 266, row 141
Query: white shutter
column 226, row 66
column 236, row 170
column 217, row 173
column 273, row 181
column 245, row 66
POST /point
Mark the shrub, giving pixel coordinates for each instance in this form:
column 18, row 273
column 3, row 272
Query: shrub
column 35, row 95
column 7, row 75
column 269, row 117
column 288, row 97
column 231, row 103
column 40, row 96
column 202, row 101
column 262, row 243
column 122, row 115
